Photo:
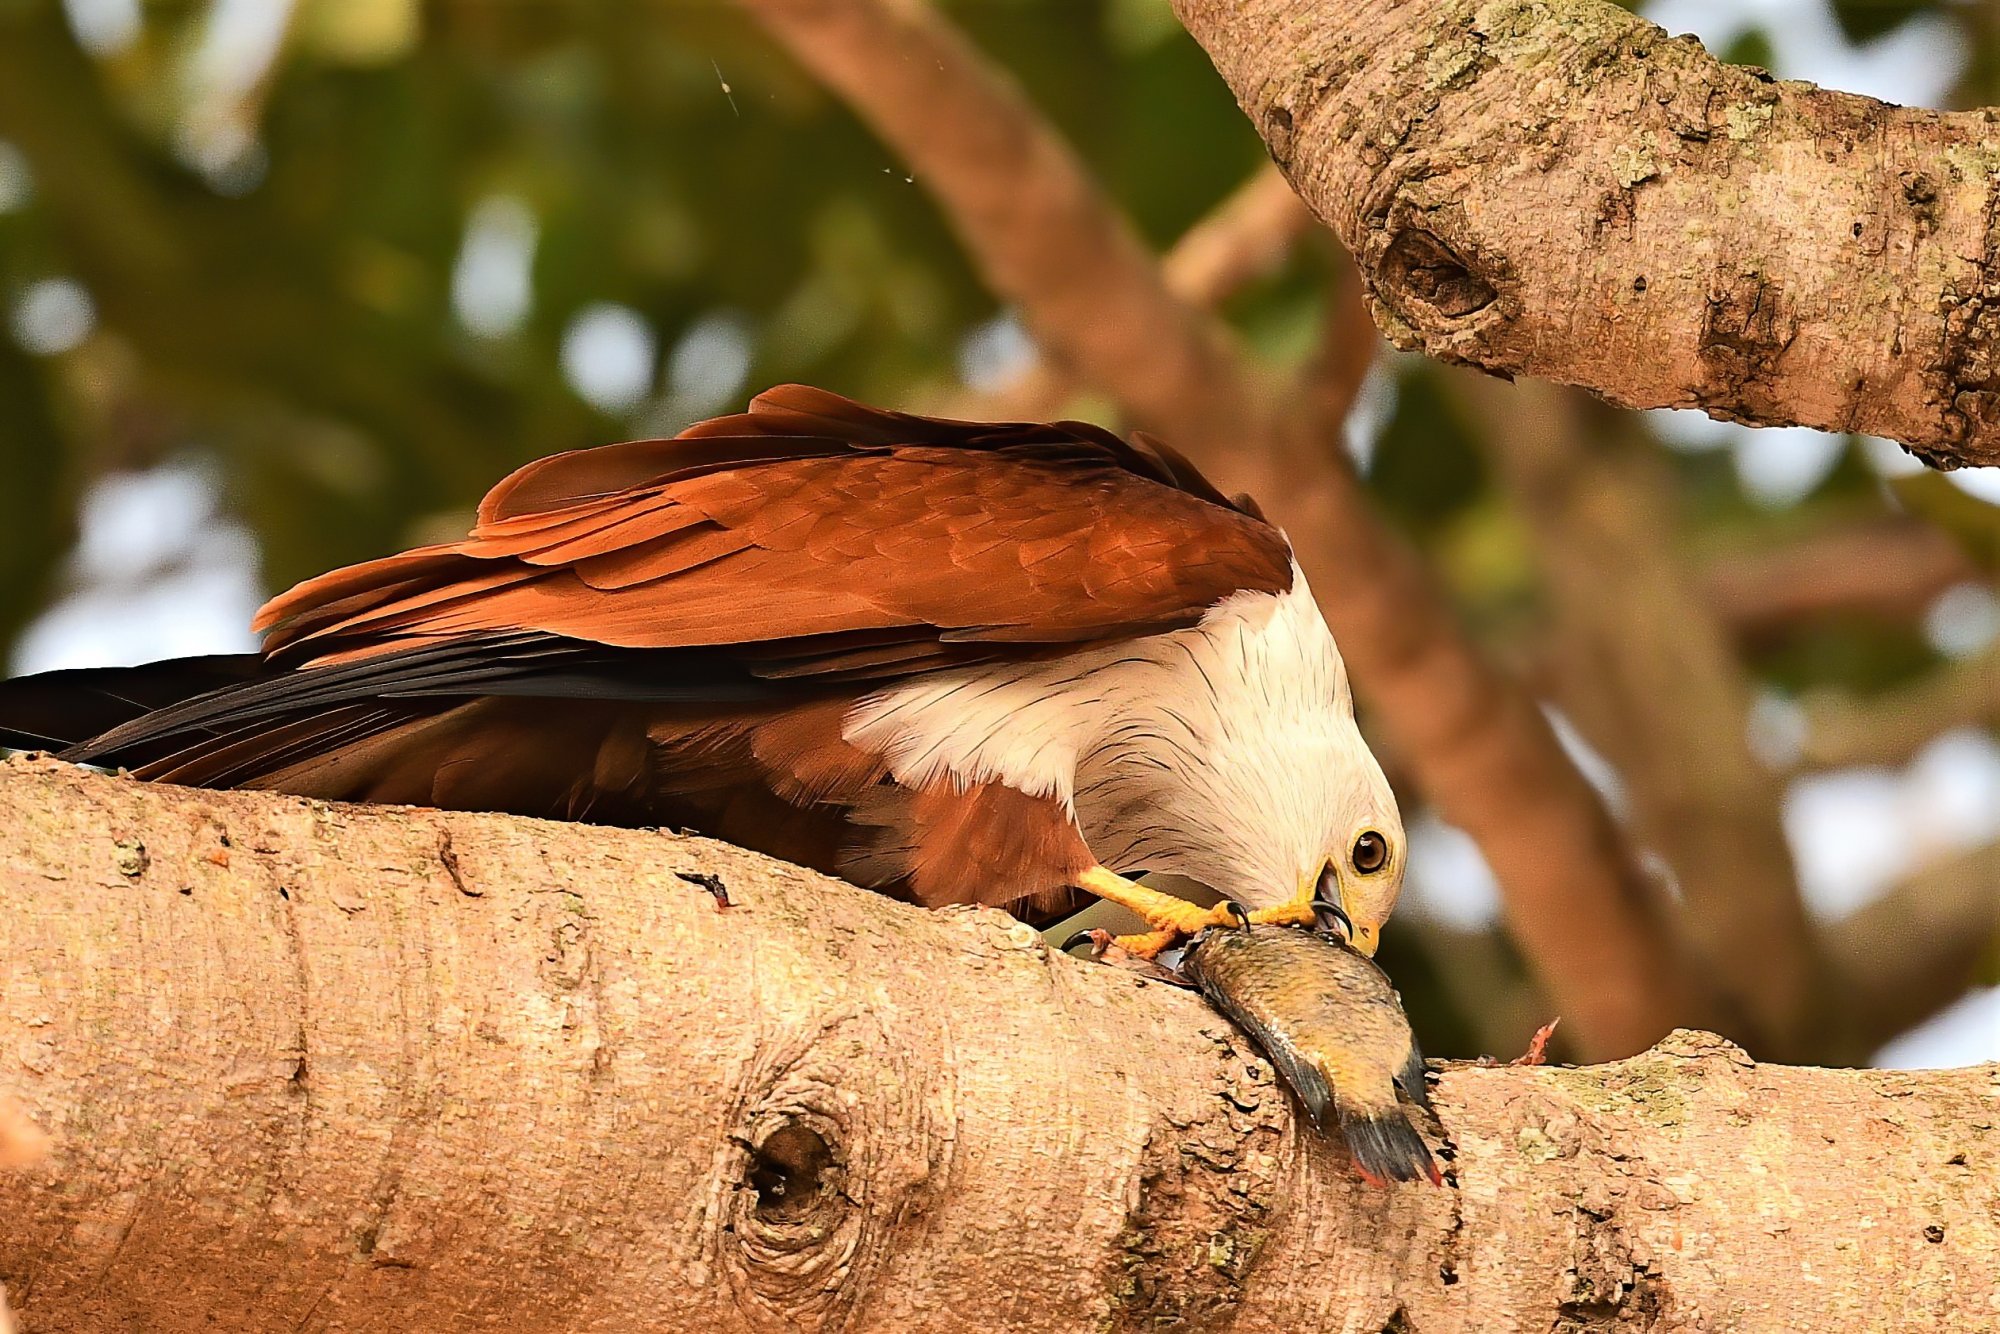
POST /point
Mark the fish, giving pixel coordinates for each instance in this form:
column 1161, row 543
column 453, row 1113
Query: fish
column 1334, row 1027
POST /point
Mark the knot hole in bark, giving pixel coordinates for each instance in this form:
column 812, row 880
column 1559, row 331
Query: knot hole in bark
column 1278, row 136
column 838, row 1141
column 793, row 1229
column 790, row 1171
column 1418, row 270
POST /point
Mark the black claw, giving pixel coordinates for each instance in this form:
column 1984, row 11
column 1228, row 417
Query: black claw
column 1084, row 938
column 1239, row 912
column 1330, row 919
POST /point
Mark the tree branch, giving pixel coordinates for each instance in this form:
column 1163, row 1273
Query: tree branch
column 1910, row 953
column 1886, row 569
column 448, row 1072
column 22, row 1144
column 1245, row 237
column 1649, row 674
column 1560, row 190
column 1047, row 240
column 1028, row 211
column 1323, row 393
column 1889, row 728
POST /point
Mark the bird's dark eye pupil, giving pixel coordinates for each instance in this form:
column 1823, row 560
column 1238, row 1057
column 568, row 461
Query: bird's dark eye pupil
column 1371, row 850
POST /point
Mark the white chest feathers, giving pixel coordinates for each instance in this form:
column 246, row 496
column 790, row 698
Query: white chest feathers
column 1226, row 752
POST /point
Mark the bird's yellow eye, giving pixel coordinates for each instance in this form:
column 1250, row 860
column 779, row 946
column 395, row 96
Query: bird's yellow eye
column 1371, row 852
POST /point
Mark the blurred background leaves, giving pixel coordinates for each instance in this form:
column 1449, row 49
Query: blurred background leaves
column 288, row 285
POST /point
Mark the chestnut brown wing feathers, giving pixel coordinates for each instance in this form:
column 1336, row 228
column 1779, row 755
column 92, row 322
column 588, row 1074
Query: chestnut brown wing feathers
column 810, row 517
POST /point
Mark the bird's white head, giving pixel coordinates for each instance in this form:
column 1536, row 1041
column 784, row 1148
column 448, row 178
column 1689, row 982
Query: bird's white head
column 1240, row 765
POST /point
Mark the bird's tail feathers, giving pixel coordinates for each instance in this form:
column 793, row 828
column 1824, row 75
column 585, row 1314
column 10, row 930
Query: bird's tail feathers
column 63, row 710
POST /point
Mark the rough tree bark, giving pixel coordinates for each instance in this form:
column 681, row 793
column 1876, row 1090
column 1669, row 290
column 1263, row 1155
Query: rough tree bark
column 1556, row 188
column 323, row 1067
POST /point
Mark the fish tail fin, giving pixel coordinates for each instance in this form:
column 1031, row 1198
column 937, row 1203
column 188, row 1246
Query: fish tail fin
column 1386, row 1147
column 1411, row 1078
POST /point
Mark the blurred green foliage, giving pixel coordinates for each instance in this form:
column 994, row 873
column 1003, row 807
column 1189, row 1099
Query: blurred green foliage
column 1861, row 20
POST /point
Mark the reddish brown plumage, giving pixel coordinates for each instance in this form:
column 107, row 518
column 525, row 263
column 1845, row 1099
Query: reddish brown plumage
column 671, row 631
column 813, row 519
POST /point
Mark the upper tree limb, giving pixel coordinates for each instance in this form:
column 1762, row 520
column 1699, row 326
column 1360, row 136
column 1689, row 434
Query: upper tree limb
column 1561, row 190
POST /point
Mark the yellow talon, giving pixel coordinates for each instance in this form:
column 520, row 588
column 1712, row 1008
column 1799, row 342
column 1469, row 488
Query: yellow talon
column 1172, row 919
column 1296, row 913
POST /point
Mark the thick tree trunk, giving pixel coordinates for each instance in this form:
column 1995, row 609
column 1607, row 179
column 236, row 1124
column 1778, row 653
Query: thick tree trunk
column 324, row 1067
column 1558, row 189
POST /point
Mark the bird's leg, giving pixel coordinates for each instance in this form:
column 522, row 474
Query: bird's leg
column 1172, row 919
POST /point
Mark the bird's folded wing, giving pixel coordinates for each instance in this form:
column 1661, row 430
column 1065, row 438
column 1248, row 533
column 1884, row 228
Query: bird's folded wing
column 812, row 536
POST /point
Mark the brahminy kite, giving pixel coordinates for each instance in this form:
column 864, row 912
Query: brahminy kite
column 959, row 662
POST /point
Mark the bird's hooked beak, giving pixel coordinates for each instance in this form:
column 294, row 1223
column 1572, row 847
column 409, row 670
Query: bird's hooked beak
column 1332, row 918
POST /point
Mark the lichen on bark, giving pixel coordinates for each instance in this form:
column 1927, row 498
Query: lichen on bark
column 1650, row 223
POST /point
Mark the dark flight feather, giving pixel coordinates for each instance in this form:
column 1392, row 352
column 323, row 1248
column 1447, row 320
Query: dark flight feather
column 1387, row 1147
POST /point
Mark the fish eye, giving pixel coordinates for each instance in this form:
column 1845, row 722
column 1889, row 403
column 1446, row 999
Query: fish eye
column 1371, row 852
